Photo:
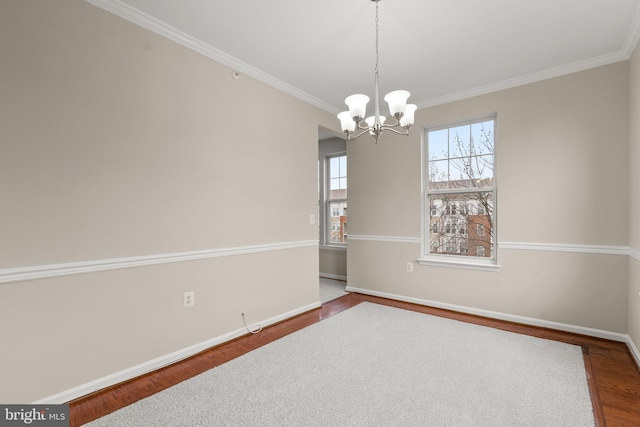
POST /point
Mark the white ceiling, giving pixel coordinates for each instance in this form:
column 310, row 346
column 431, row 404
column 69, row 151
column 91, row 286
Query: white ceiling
column 440, row 50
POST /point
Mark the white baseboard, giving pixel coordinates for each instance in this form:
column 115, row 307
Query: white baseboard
column 634, row 350
column 333, row 276
column 598, row 333
column 176, row 356
column 152, row 365
column 614, row 336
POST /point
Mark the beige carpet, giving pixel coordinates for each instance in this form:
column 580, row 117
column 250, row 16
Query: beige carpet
column 374, row 365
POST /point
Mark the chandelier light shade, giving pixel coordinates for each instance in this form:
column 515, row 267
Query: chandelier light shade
column 357, row 105
column 402, row 113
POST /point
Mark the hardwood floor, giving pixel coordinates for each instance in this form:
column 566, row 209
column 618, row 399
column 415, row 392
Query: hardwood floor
column 614, row 378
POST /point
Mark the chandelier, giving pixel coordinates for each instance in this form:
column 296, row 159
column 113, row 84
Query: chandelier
column 401, row 112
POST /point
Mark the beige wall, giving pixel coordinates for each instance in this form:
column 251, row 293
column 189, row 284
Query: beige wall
column 634, row 199
column 562, row 173
column 118, row 143
column 333, row 263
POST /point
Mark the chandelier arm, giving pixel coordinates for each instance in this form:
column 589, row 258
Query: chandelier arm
column 385, row 127
column 361, row 133
column 387, row 124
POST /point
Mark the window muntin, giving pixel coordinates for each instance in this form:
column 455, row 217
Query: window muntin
column 459, row 216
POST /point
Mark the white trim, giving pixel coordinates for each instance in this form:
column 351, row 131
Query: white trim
column 462, row 262
column 633, row 36
column 562, row 247
column 159, row 362
column 55, row 270
column 501, row 316
column 332, row 276
column 634, row 350
column 385, row 239
column 132, row 14
column 526, row 79
column 547, row 247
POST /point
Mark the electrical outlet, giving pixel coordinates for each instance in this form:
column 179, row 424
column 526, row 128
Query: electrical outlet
column 410, row 267
column 189, row 299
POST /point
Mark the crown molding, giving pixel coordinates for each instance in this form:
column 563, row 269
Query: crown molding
column 131, row 14
column 633, row 36
column 152, row 24
column 527, row 79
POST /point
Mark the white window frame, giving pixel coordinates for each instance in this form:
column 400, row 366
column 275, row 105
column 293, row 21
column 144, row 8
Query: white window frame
column 327, row 200
column 456, row 261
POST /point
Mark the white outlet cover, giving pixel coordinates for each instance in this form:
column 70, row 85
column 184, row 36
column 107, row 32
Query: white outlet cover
column 189, row 299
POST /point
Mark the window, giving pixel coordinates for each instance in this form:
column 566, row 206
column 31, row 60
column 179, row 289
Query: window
column 459, row 179
column 336, row 198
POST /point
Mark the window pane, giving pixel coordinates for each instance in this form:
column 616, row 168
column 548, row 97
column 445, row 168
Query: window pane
column 338, row 177
column 438, row 142
column 470, row 159
column 343, row 165
column 484, row 170
column 460, row 172
column 459, row 141
column 482, row 137
column 334, row 167
column 338, row 222
column 454, row 227
column 438, row 174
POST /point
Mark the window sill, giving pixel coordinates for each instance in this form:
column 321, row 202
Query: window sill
column 462, row 264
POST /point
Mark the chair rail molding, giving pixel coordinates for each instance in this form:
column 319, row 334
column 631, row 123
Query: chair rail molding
column 18, row 274
column 528, row 246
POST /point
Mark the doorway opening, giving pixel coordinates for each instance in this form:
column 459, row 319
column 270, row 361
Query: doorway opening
column 332, row 214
